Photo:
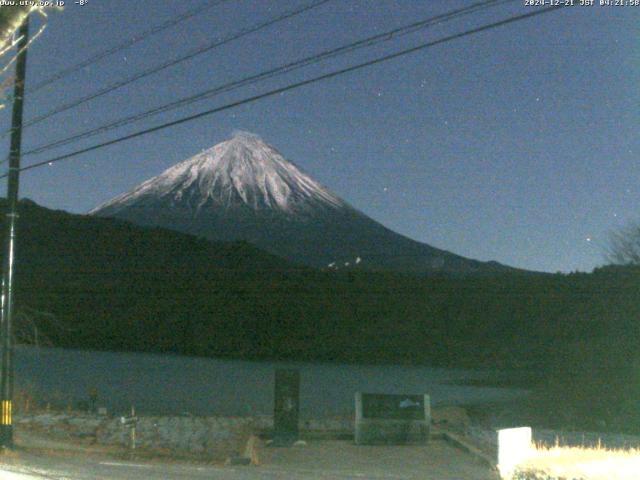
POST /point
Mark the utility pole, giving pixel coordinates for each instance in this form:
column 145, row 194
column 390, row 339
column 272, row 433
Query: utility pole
column 13, row 182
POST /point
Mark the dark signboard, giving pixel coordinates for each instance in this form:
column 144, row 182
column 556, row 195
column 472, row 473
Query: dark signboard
column 286, row 407
column 392, row 419
column 393, row 407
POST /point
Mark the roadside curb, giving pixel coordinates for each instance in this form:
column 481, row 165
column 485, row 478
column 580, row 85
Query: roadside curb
column 462, row 444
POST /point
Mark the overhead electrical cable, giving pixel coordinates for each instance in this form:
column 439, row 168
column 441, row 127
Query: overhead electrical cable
column 293, row 86
column 157, row 68
column 125, row 44
column 283, row 69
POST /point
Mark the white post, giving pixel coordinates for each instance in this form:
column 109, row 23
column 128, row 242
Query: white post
column 514, row 447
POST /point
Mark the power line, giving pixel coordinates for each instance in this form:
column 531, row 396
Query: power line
column 287, row 68
column 294, row 86
column 273, row 72
column 126, row 44
column 191, row 54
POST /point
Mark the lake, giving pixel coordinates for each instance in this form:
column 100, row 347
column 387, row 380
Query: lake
column 171, row 384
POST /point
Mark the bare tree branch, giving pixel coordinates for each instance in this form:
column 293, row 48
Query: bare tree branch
column 624, row 246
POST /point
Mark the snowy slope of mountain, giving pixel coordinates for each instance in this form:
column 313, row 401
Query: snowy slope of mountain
column 243, row 171
column 244, row 189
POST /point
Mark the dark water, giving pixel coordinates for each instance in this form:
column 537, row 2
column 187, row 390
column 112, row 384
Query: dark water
column 165, row 384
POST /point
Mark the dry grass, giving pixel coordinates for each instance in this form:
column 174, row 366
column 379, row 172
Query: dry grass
column 579, row 463
column 25, row 400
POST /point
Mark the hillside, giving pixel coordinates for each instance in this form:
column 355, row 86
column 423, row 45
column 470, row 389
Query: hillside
column 113, row 285
column 100, row 283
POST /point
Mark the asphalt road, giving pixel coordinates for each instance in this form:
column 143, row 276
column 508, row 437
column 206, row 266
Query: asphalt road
column 316, row 461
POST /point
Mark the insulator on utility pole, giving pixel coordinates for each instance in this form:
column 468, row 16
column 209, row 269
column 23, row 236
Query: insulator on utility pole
column 13, row 183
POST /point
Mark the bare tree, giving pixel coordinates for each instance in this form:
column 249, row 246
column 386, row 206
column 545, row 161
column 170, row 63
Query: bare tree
column 28, row 330
column 624, row 246
column 33, row 326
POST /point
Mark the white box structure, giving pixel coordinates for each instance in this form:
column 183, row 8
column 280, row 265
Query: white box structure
column 514, row 447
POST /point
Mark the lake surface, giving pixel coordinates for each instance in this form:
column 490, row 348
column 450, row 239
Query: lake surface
column 167, row 384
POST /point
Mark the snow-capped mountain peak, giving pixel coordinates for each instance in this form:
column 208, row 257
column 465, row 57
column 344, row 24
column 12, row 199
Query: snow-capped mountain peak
column 243, row 170
column 244, row 189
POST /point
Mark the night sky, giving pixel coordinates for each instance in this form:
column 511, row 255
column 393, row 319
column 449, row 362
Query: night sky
column 518, row 145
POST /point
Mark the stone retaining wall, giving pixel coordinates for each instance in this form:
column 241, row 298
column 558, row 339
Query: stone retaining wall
column 216, row 437
column 186, row 434
column 190, row 434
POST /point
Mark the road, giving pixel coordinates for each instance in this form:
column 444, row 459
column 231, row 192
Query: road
column 320, row 460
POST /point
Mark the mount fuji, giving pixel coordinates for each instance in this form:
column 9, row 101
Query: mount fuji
column 244, row 189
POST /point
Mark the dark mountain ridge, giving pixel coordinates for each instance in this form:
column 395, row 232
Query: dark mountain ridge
column 113, row 285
